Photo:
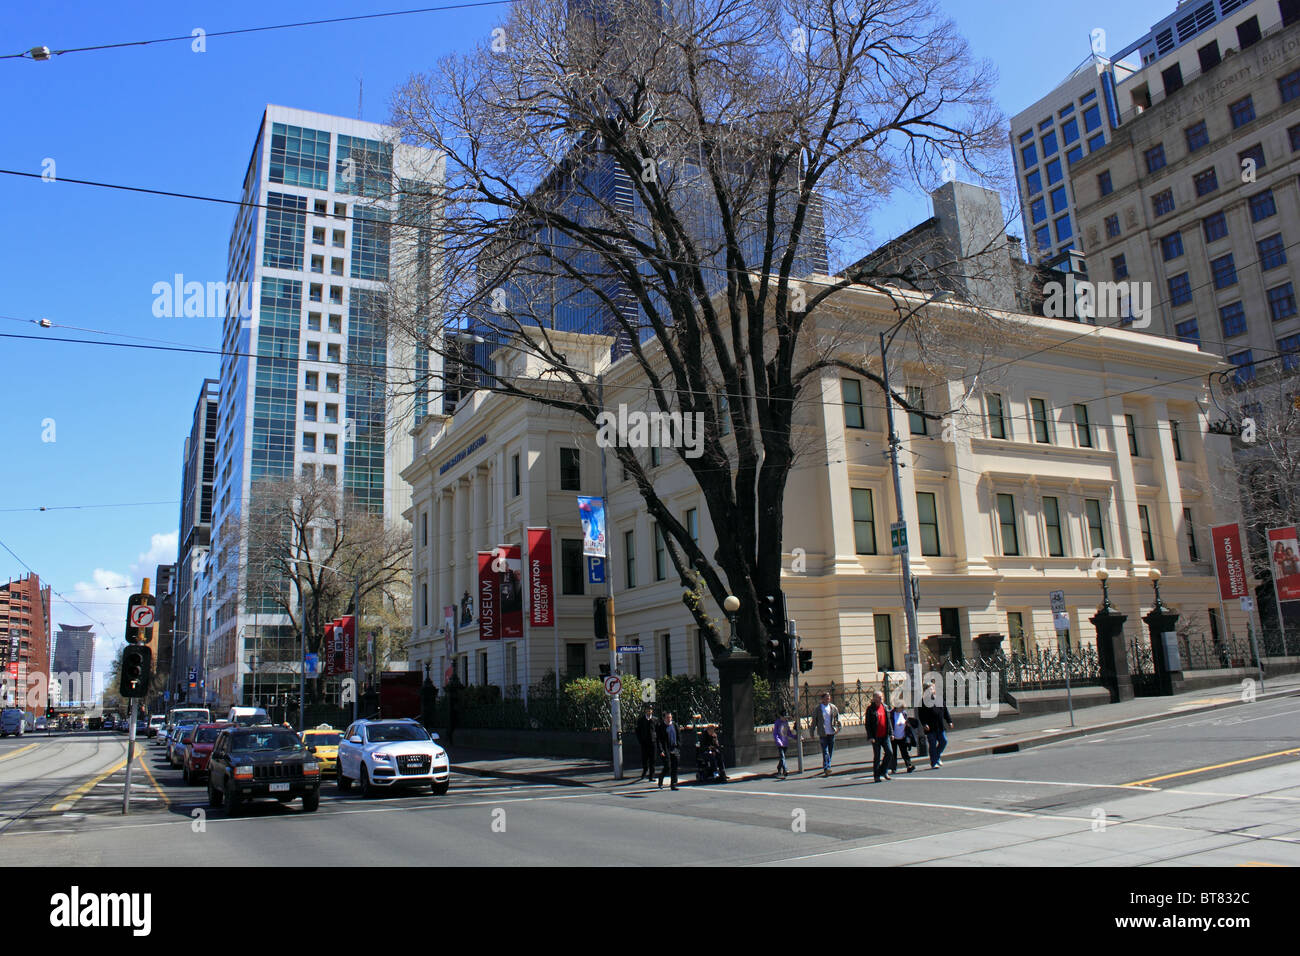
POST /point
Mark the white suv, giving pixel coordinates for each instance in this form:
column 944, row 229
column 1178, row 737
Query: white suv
column 387, row 753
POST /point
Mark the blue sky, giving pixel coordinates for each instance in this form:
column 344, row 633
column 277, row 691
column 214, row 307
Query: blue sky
column 165, row 117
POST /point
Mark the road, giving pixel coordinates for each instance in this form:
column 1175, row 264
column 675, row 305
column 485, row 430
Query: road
column 1219, row 788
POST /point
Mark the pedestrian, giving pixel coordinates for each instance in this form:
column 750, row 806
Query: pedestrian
column 670, row 748
column 878, row 730
column 934, row 716
column 900, row 737
column 782, row 735
column 645, row 737
column 826, row 719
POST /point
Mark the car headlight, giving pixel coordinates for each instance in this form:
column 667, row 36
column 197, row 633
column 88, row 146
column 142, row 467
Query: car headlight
column 381, row 756
column 311, row 767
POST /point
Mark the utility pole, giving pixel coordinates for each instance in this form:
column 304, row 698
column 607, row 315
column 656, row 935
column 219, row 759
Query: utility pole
column 615, row 709
column 904, row 558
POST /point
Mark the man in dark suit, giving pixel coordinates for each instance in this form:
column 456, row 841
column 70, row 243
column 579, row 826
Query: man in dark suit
column 645, row 736
column 670, row 748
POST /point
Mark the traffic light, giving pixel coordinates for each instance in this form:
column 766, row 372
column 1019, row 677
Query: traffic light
column 776, row 657
column 771, row 611
column 135, row 633
column 137, row 662
column 601, row 618
column 805, row 661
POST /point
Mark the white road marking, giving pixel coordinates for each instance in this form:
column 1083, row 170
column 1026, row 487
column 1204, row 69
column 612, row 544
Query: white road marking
column 1035, row 783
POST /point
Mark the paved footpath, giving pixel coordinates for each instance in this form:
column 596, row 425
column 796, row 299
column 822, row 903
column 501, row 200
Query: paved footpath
column 1005, row 736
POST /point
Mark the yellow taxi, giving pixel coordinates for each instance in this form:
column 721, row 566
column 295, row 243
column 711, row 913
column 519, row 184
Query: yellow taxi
column 323, row 741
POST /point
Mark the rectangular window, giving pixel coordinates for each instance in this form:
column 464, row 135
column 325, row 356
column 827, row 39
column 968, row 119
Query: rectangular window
column 1049, row 144
column 1029, row 156
column 1038, row 409
column 1038, row 211
column 629, row 558
column 1206, row 182
column 1091, row 119
column 1103, row 183
column 997, row 417
column 309, row 411
column 1063, row 229
column 1052, row 520
column 572, row 566
column 1083, row 426
column 1096, row 533
column 1034, row 181
column 1043, row 239
column 1262, row 206
column 1289, row 86
column 570, row 470
column 1053, row 172
column 884, row 628
column 1069, row 131
column 1245, row 362
column 1209, row 54
column 851, row 394
column 1155, row 157
column 1172, row 79
column 1096, row 142
column 1016, row 632
column 1171, row 246
column 666, row 642
column 1162, row 203
column 1148, row 543
column 661, row 555
column 333, row 352
column 1281, row 302
column 1174, row 437
column 1215, row 227
column 1180, row 289
column 308, row 441
column 1272, row 252
column 1241, row 112
column 313, row 351
column 1232, row 318
column 1130, row 425
column 693, row 524
column 864, row 521
column 928, row 518
column 1247, row 30
column 1193, row 553
column 332, row 414
column 1289, row 346
column 1007, row 525
column 1188, row 331
column 331, row 383
column 1059, row 199
column 1197, row 136
column 916, row 420
column 514, row 476
column 331, row 443
column 1293, row 134
column 1112, row 226
column 330, row 473
column 1119, row 267
column 1251, row 157
column 336, row 324
column 1224, row 270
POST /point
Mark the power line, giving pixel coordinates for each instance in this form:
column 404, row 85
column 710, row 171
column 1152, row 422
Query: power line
column 190, row 37
column 59, row 594
column 127, row 504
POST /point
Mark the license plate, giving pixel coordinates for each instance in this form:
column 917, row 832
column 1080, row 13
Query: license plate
column 279, row 787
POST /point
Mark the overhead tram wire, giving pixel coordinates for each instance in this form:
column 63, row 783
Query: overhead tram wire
column 189, row 37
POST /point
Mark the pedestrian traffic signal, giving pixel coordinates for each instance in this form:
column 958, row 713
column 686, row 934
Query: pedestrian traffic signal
column 137, row 662
column 601, row 618
column 805, row 661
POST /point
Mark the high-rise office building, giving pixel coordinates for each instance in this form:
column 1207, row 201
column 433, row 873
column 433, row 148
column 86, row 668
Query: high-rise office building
column 74, row 662
column 306, row 375
column 198, row 467
column 24, row 633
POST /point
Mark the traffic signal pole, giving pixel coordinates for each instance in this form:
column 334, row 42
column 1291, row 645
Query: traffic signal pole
column 130, row 739
column 615, row 710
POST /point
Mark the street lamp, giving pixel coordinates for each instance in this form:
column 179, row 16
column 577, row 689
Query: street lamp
column 910, row 602
column 731, row 604
column 1102, row 576
column 1155, row 583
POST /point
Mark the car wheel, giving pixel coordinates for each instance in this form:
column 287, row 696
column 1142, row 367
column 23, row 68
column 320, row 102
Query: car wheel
column 442, row 788
column 232, row 802
column 363, row 785
column 344, row 783
column 310, row 801
column 214, row 798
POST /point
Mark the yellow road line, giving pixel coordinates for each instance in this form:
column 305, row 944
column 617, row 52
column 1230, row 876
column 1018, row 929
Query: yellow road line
column 20, row 750
column 1217, row 766
column 144, row 765
column 85, row 788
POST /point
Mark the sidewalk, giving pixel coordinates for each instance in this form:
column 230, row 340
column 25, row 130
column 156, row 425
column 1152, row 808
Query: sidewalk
column 974, row 741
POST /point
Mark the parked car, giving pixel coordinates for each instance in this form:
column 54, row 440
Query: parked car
column 156, row 723
column 323, row 741
column 13, row 722
column 41, row 723
column 252, row 762
column 194, row 763
column 390, row 753
column 186, row 715
column 107, row 722
column 247, row 716
column 179, row 739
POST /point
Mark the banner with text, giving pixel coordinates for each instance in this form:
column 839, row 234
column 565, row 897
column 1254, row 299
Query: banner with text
column 591, row 512
column 449, row 628
column 1229, row 560
column 510, row 568
column 488, row 589
column 1284, row 552
column 340, row 646
column 541, row 605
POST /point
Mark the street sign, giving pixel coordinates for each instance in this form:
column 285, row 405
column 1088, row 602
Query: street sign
column 311, row 661
column 1248, row 604
column 630, row 648
column 1060, row 617
column 142, row 615
column 595, row 570
column 898, row 536
column 613, row 685
column 602, row 645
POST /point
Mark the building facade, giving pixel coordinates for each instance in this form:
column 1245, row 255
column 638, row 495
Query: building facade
column 1074, row 461
column 24, row 635
column 198, row 471
column 74, row 664
column 303, row 385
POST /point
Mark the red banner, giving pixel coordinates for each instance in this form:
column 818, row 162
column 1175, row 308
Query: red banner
column 488, row 590
column 339, row 647
column 510, row 569
column 1284, row 552
column 541, row 594
column 1229, row 560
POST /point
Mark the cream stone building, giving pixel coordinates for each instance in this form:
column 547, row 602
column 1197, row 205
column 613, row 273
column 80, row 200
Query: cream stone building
column 1080, row 440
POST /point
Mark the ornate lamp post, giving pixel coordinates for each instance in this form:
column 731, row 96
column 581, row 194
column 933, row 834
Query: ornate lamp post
column 1111, row 653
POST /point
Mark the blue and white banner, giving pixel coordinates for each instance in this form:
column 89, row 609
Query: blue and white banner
column 591, row 512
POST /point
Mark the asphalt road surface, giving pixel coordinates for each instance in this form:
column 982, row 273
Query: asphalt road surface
column 1221, row 788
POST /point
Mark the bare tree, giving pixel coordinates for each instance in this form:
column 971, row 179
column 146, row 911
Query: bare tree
column 667, row 184
column 308, row 548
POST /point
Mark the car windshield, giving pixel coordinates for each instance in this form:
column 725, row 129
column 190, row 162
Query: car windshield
column 250, row 720
column 207, row 735
column 324, row 740
column 383, row 733
column 184, row 730
column 268, row 740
